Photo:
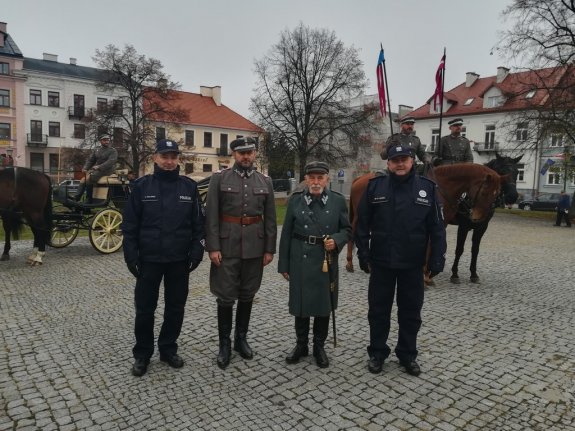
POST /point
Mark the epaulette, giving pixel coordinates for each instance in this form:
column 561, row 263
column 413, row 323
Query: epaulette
column 428, row 179
column 219, row 171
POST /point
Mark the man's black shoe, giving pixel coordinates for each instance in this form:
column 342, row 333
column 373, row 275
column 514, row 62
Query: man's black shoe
column 411, row 367
column 375, row 365
column 298, row 352
column 320, row 356
column 172, row 360
column 140, row 367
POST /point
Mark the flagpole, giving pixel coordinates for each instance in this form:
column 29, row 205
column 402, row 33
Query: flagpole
column 441, row 104
column 387, row 91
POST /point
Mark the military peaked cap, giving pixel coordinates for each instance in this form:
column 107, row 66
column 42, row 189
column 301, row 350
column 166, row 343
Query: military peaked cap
column 243, row 144
column 407, row 120
column 455, row 122
column 316, row 168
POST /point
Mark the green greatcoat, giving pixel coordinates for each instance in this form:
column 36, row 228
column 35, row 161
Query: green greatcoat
column 309, row 292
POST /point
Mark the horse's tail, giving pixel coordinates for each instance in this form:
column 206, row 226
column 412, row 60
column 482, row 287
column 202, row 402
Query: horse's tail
column 48, row 213
column 13, row 222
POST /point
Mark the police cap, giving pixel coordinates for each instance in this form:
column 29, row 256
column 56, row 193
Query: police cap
column 316, row 168
column 166, row 146
column 399, row 150
column 455, row 122
column 243, row 144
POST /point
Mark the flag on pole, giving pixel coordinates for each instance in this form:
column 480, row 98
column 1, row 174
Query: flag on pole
column 546, row 166
column 438, row 95
column 380, row 84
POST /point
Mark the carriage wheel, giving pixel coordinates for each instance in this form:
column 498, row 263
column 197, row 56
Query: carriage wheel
column 63, row 235
column 105, row 233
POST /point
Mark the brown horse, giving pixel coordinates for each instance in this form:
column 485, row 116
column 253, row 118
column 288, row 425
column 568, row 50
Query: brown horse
column 468, row 191
column 26, row 196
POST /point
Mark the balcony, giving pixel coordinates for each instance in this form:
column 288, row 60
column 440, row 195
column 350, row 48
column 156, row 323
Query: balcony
column 222, row 152
column 486, row 147
column 37, row 140
column 76, row 112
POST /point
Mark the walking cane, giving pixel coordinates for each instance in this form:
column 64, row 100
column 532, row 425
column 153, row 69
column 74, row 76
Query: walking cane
column 327, row 263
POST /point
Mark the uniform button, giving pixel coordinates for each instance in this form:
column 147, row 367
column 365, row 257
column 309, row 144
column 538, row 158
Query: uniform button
column 305, row 226
column 229, row 188
column 245, row 205
column 245, row 185
column 305, row 256
column 245, row 194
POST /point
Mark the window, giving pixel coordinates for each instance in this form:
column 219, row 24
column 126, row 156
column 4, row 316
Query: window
column 5, row 98
column 189, row 168
column 522, row 131
column 521, row 172
column 208, row 141
column 160, row 133
column 463, row 131
column 189, row 138
column 54, row 129
column 117, row 107
column 5, row 131
column 490, row 137
column 53, row 163
column 434, row 141
column 54, row 99
column 37, row 161
column 79, row 131
column 553, row 179
column 36, row 130
column 4, row 69
column 223, row 144
column 101, row 104
column 206, row 167
column 494, row 102
column 79, row 105
column 556, row 140
column 118, row 136
column 35, row 97
column 468, row 101
column 530, row 94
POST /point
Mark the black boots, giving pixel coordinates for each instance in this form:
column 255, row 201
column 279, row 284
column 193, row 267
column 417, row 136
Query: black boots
column 300, row 350
column 320, row 330
column 78, row 196
column 224, row 331
column 241, row 345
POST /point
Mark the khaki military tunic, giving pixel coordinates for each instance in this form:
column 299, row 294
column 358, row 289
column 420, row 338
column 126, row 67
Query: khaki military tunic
column 103, row 157
column 454, row 149
column 410, row 140
column 241, row 224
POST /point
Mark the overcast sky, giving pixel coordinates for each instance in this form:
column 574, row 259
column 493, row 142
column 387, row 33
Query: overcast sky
column 215, row 42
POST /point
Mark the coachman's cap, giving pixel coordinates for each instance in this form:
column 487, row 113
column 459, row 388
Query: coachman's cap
column 243, row 144
column 316, row 168
column 455, row 122
column 399, row 150
column 407, row 120
column 166, row 146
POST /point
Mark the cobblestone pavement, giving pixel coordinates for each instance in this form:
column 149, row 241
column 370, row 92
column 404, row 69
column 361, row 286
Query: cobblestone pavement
column 495, row 356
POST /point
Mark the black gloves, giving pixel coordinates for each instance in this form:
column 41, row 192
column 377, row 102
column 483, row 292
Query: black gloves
column 364, row 265
column 134, row 268
column 194, row 263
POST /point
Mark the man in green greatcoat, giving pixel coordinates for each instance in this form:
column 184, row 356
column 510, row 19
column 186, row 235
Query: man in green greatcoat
column 316, row 224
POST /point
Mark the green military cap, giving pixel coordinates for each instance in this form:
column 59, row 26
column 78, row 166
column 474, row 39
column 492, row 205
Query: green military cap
column 316, row 168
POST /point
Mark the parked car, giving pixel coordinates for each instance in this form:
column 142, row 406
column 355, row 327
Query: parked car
column 544, row 202
column 69, row 187
column 281, row 185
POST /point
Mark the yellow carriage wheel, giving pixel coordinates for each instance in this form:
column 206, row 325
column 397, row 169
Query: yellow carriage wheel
column 63, row 235
column 105, row 231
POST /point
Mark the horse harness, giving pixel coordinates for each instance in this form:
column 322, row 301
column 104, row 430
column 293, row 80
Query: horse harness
column 464, row 203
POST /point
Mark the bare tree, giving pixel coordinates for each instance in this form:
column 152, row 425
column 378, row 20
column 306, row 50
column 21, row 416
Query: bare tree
column 142, row 95
column 302, row 95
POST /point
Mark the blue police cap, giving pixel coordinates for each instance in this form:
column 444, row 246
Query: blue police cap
column 166, row 146
column 399, row 150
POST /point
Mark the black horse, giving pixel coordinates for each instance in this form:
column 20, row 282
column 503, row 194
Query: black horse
column 503, row 165
column 26, row 197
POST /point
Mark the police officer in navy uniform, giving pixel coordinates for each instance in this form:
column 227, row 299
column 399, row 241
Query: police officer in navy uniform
column 406, row 137
column 397, row 217
column 241, row 234
column 454, row 148
column 163, row 228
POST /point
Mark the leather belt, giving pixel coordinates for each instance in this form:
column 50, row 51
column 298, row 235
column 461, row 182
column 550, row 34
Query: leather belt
column 309, row 239
column 241, row 220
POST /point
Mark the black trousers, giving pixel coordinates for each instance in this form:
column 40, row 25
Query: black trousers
column 176, row 278
column 562, row 215
column 381, row 292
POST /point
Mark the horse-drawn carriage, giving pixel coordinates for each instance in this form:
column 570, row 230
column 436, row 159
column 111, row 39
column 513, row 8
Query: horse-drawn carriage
column 101, row 218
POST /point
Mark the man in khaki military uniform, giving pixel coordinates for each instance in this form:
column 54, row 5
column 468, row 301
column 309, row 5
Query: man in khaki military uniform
column 454, row 148
column 240, row 239
column 406, row 137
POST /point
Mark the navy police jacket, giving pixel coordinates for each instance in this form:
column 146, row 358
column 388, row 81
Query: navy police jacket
column 163, row 219
column 397, row 217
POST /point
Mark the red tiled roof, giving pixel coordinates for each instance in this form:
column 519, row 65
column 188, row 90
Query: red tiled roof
column 514, row 88
column 203, row 111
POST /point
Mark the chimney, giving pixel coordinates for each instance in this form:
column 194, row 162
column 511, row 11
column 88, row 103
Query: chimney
column 470, row 78
column 3, row 27
column 404, row 110
column 50, row 57
column 213, row 92
column 502, row 73
column 73, row 61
